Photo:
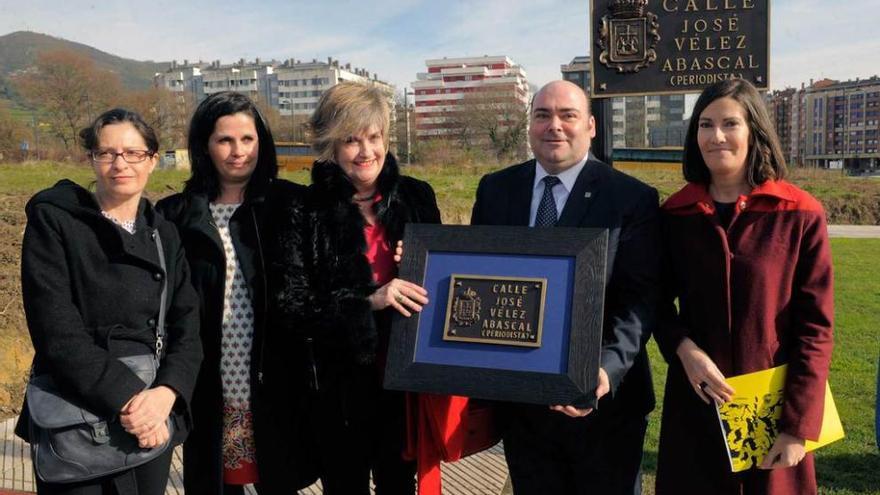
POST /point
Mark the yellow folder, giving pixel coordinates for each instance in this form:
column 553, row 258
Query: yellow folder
column 749, row 421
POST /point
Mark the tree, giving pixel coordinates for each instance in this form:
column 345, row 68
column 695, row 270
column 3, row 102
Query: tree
column 292, row 128
column 400, row 132
column 70, row 91
column 270, row 114
column 12, row 133
column 167, row 112
column 491, row 119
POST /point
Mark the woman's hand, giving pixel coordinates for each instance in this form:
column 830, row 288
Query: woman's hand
column 401, row 295
column 706, row 379
column 155, row 437
column 398, row 252
column 145, row 414
column 787, row 451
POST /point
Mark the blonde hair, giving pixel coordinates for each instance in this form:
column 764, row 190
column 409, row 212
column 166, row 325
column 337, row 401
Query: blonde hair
column 345, row 110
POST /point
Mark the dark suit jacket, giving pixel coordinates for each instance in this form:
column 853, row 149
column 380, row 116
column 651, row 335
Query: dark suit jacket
column 604, row 198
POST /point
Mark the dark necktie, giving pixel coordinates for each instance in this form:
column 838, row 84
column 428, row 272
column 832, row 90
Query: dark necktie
column 546, row 216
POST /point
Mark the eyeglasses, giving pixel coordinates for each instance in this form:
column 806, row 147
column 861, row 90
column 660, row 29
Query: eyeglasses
column 130, row 156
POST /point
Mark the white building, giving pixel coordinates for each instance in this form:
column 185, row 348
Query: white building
column 290, row 86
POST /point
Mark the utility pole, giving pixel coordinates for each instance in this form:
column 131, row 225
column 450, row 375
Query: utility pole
column 406, row 114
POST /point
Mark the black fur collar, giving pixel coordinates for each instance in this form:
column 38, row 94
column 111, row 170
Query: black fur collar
column 332, row 187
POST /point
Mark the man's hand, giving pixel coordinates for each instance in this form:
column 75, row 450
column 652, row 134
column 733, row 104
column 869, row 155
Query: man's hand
column 787, row 451
column 603, row 388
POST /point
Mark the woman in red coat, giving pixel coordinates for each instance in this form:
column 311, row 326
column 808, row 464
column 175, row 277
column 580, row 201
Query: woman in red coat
column 747, row 256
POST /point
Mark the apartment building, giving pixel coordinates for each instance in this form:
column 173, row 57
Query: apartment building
column 830, row 124
column 452, row 86
column 292, row 87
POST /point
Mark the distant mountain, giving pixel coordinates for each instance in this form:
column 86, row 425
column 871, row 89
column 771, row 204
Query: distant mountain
column 19, row 50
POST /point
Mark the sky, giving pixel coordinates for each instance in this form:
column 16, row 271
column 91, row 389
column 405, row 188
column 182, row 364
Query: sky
column 810, row 39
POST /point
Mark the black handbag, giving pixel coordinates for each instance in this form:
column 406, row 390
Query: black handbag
column 69, row 443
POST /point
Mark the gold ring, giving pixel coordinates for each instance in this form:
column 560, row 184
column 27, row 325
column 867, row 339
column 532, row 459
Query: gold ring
column 399, row 298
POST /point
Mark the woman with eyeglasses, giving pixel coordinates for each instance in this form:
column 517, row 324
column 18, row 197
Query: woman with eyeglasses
column 242, row 430
column 92, row 279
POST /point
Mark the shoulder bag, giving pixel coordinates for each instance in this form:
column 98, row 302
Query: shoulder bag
column 69, row 443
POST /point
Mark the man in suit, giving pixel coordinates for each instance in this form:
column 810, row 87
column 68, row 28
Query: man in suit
column 562, row 449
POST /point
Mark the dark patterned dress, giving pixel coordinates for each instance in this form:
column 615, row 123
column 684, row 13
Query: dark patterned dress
column 239, row 455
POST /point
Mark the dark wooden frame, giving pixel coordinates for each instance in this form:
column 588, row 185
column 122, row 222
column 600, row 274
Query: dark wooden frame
column 588, row 247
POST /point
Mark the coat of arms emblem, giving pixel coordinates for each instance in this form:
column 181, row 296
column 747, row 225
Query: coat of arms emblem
column 466, row 308
column 628, row 36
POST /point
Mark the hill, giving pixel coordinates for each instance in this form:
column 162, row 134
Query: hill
column 19, row 50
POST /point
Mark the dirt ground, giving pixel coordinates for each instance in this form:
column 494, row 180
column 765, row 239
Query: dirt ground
column 15, row 350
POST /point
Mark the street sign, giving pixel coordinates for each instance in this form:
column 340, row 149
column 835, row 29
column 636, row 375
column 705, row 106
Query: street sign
column 677, row 46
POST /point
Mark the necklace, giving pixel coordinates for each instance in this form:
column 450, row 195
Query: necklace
column 359, row 200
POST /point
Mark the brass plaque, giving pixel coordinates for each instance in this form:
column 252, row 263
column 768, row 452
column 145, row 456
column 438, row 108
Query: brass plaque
column 495, row 310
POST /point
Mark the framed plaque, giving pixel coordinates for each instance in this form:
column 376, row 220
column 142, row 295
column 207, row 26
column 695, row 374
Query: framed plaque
column 514, row 313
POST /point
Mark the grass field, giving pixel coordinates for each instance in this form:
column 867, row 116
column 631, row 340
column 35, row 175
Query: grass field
column 851, row 466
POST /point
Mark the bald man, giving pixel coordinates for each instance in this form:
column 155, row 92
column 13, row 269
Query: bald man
column 559, row 449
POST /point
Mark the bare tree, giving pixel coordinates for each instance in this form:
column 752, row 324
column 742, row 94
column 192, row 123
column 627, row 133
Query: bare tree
column 491, row 120
column 291, row 127
column 69, row 90
column 165, row 111
column 12, row 133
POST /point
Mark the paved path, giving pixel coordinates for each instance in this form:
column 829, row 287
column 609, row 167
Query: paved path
column 481, row 474
column 854, row 231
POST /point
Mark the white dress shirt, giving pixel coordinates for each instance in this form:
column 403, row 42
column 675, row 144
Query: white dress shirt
column 560, row 192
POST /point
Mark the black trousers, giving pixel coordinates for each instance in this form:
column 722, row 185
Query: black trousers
column 548, row 452
column 365, row 433
column 148, row 479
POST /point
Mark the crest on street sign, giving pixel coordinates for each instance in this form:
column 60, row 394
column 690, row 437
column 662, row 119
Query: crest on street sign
column 628, row 36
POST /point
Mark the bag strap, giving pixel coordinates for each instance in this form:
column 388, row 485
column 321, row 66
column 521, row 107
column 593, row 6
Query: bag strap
column 160, row 325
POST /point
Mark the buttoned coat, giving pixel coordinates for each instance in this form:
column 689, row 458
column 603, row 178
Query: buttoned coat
column 91, row 293
column 251, row 229
column 755, row 295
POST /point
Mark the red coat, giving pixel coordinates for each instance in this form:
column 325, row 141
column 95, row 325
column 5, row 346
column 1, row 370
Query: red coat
column 753, row 296
column 445, row 428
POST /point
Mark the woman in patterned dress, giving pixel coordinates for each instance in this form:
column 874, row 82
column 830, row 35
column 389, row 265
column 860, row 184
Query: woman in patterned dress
column 238, row 438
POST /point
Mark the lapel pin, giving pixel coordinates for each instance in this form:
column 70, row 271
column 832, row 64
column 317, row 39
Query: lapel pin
column 588, row 194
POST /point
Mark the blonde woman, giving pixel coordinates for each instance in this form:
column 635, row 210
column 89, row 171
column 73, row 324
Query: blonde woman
column 337, row 289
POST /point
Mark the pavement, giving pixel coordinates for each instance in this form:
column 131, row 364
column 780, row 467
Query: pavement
column 854, row 231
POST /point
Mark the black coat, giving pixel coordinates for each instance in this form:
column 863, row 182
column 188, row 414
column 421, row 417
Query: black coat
column 322, row 278
column 91, row 293
column 251, row 230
